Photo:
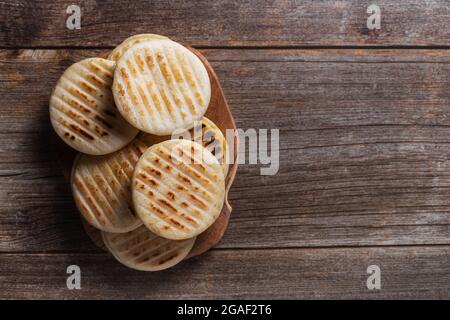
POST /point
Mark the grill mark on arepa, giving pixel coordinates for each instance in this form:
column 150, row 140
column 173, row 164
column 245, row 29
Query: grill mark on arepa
column 73, row 132
column 194, row 173
column 196, row 210
column 88, row 197
column 141, row 243
column 175, row 181
column 92, row 217
column 130, row 92
column 166, row 80
column 137, row 243
column 146, row 249
column 117, row 198
column 76, row 75
column 101, row 100
column 165, row 77
column 96, row 192
column 163, row 214
column 197, row 79
column 183, row 178
column 107, row 189
column 69, row 119
column 120, row 208
column 89, row 89
column 175, row 93
column 100, row 183
column 147, row 252
column 76, row 100
column 172, row 85
column 80, row 131
column 181, row 188
column 142, row 108
column 75, row 90
column 160, row 215
column 97, row 67
column 189, row 77
column 153, row 86
column 70, row 111
column 166, row 201
column 146, row 180
column 152, row 255
column 119, row 171
column 181, row 81
column 99, row 199
column 199, row 178
column 172, row 92
column 128, row 163
column 146, row 102
column 165, row 260
column 126, row 237
column 118, row 185
column 146, row 255
column 104, row 122
column 84, row 119
column 140, row 62
column 92, row 77
column 167, row 255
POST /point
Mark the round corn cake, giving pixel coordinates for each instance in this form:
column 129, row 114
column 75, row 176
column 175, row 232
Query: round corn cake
column 160, row 86
column 82, row 109
column 101, row 187
column 178, row 189
column 118, row 51
column 141, row 249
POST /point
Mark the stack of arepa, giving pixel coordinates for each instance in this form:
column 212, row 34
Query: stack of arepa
column 144, row 195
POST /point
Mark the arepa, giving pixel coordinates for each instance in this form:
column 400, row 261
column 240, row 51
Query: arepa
column 142, row 250
column 175, row 198
column 82, row 109
column 160, row 86
column 128, row 42
column 101, row 187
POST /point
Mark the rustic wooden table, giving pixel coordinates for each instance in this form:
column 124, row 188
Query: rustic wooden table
column 364, row 148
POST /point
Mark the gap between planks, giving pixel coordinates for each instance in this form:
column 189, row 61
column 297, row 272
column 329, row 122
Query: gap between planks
column 304, row 248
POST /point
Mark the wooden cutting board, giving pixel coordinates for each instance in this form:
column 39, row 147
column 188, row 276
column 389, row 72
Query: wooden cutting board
column 219, row 112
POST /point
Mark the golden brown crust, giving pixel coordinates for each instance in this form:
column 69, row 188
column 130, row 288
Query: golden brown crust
column 160, row 86
column 142, row 250
column 101, row 188
column 82, row 109
column 174, row 199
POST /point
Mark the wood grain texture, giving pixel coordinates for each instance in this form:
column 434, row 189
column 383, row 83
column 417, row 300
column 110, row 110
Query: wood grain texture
column 338, row 273
column 364, row 146
column 227, row 23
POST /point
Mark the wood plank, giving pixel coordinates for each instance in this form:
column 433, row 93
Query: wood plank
column 339, row 273
column 227, row 23
column 363, row 149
